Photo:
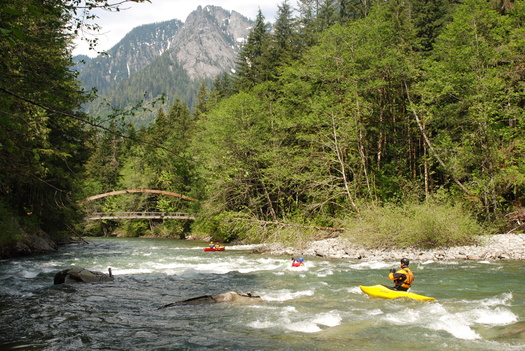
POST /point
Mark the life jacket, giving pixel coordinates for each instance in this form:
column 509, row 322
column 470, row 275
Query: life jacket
column 409, row 277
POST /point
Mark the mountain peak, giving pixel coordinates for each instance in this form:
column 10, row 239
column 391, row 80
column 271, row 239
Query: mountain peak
column 167, row 57
column 209, row 41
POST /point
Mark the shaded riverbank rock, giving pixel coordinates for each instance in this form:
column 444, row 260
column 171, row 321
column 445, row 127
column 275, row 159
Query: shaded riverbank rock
column 231, row 296
column 74, row 275
column 28, row 245
column 490, row 247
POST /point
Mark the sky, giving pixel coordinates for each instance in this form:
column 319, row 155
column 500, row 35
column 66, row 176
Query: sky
column 115, row 25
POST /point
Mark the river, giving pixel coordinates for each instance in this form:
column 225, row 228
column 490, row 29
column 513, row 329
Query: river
column 478, row 306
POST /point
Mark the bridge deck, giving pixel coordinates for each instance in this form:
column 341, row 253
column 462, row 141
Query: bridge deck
column 139, row 215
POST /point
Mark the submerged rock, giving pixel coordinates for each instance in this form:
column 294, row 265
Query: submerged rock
column 73, row 275
column 242, row 298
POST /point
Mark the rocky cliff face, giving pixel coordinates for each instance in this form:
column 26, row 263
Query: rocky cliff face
column 209, row 41
column 205, row 45
column 138, row 49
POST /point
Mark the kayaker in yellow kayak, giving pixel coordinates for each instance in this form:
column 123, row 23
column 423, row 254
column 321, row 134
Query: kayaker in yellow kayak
column 403, row 277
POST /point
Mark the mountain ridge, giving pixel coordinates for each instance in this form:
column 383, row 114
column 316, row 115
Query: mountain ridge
column 204, row 46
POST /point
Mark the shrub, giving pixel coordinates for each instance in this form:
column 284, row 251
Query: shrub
column 428, row 225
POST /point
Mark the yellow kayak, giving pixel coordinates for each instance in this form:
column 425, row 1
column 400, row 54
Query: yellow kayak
column 384, row 292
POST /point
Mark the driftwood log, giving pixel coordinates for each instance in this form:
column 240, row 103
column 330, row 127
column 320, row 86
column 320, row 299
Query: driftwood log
column 242, row 298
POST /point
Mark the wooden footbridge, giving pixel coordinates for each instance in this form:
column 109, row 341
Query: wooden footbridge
column 139, row 215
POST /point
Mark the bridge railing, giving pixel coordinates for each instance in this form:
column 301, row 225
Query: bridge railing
column 139, row 215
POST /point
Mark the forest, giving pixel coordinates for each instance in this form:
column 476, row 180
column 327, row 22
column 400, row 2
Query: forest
column 393, row 123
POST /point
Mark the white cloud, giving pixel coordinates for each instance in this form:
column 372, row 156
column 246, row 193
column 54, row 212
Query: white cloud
column 115, row 25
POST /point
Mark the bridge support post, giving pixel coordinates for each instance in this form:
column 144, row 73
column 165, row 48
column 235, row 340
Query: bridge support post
column 104, row 228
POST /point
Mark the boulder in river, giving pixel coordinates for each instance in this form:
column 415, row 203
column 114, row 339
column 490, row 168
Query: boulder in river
column 73, row 275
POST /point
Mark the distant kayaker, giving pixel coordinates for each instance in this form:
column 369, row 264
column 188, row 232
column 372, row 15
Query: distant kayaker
column 212, row 245
column 403, row 277
column 297, row 262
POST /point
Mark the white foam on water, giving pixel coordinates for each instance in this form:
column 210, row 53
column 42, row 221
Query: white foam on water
column 456, row 326
column 498, row 316
column 221, row 265
column 503, row 299
column 371, row 265
column 289, row 318
column 355, row 290
column 285, row 295
column 460, row 324
column 374, row 312
column 435, row 317
column 330, row 319
column 275, row 320
column 303, row 327
column 310, row 324
column 263, row 324
column 289, row 267
column 325, row 273
column 117, row 271
column 52, row 264
column 288, row 309
column 29, row 274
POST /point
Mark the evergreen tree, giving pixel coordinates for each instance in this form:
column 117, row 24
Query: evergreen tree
column 350, row 10
column 41, row 133
column 202, row 105
column 308, row 10
column 223, row 87
column 285, row 35
column 102, row 169
column 251, row 64
column 429, row 18
column 326, row 16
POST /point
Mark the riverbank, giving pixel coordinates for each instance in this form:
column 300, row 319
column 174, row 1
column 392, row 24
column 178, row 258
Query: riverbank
column 29, row 245
column 493, row 247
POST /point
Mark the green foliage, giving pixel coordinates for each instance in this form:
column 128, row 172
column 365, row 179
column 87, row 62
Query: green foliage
column 9, row 227
column 41, row 137
column 428, row 225
column 135, row 228
column 364, row 119
column 222, row 226
column 358, row 110
column 471, row 105
column 160, row 161
column 253, row 63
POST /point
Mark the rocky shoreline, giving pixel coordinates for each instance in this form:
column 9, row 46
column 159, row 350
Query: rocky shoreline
column 490, row 248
